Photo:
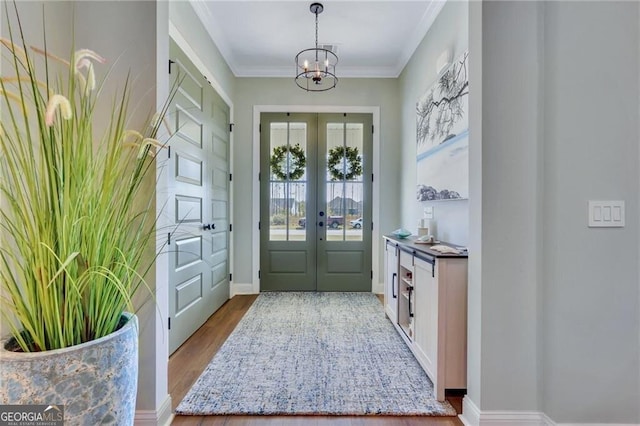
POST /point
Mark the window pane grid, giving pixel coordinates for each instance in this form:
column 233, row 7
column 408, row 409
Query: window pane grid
column 288, row 181
column 344, row 181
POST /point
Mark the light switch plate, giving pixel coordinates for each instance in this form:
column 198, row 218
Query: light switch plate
column 606, row 214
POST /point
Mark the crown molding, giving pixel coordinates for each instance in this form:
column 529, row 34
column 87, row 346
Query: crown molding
column 343, row 72
column 420, row 31
column 217, row 36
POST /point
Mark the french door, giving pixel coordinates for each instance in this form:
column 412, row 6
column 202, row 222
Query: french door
column 315, row 202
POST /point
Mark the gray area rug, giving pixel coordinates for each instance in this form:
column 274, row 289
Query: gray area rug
column 314, row 353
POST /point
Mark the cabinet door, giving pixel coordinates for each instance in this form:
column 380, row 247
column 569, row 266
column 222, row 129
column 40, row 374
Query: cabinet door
column 391, row 282
column 426, row 318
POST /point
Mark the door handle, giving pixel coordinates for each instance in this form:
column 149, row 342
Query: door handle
column 410, row 307
column 320, row 224
column 207, row 226
column 321, row 214
column 393, row 285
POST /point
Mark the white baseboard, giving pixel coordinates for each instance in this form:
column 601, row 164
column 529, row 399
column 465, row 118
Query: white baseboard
column 472, row 416
column 248, row 288
column 592, row 424
column 470, row 413
column 241, row 288
column 162, row 417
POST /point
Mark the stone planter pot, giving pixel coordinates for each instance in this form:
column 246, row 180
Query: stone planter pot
column 95, row 381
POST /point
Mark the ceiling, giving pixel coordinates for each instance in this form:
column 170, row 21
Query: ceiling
column 260, row 38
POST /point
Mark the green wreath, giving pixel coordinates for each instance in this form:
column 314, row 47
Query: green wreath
column 296, row 164
column 338, row 156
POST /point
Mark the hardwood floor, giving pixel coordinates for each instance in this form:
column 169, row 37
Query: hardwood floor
column 188, row 362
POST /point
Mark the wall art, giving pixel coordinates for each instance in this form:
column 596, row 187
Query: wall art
column 443, row 136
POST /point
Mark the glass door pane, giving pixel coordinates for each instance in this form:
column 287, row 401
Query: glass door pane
column 344, row 185
column 287, row 181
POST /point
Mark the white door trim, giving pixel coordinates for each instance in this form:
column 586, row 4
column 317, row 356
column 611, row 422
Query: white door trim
column 255, row 233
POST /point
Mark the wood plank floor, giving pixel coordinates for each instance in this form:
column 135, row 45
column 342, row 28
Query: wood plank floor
column 188, row 362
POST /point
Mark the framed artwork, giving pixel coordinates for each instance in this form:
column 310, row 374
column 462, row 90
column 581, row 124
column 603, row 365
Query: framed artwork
column 442, row 119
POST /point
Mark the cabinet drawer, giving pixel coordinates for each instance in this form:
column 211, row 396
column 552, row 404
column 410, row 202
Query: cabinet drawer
column 406, row 259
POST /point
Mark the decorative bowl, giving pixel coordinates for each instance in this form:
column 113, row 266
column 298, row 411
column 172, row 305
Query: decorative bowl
column 401, row 233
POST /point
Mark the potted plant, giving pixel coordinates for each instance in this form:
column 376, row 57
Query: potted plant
column 76, row 225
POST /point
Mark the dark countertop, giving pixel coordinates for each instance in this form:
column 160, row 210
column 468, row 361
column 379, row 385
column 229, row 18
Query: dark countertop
column 423, row 248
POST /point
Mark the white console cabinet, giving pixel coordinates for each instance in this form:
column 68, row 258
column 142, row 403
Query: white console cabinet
column 426, row 300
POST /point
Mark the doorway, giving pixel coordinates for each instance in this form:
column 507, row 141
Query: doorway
column 315, row 202
column 198, row 170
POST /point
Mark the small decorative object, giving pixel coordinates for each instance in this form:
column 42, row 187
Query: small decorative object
column 445, row 249
column 288, row 162
column 344, row 163
column 401, row 233
column 426, row 239
column 442, row 146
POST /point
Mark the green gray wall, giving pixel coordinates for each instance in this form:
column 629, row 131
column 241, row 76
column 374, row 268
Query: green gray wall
column 183, row 17
column 132, row 48
column 591, row 313
column 32, row 27
column 283, row 91
column 126, row 34
column 505, row 270
column 449, row 32
column 553, row 305
column 554, row 317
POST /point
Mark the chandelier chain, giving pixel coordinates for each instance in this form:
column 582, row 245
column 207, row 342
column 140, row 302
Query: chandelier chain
column 316, row 38
column 316, row 29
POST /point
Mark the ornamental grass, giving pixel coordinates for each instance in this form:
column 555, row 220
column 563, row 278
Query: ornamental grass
column 76, row 224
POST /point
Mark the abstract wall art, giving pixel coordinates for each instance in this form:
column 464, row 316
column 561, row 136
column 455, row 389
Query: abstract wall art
column 443, row 136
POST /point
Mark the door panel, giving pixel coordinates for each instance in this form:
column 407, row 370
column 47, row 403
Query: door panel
column 199, row 186
column 287, row 236
column 315, row 220
column 344, row 255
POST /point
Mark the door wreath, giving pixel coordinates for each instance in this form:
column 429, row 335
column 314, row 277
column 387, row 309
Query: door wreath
column 349, row 156
column 296, row 164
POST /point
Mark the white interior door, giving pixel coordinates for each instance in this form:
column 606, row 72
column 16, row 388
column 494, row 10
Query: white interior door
column 199, row 191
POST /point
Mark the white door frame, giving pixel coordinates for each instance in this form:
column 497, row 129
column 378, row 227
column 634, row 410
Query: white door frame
column 255, row 233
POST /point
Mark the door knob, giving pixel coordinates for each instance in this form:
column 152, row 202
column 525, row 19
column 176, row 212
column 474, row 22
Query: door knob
column 321, row 214
column 207, row 226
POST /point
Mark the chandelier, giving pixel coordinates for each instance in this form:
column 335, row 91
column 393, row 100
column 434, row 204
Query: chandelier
column 316, row 67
